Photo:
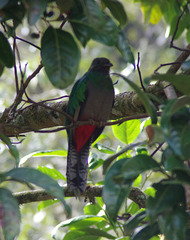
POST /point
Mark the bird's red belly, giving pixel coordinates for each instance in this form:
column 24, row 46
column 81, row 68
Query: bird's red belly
column 82, row 135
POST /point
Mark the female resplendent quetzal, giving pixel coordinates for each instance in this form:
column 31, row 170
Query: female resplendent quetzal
column 91, row 99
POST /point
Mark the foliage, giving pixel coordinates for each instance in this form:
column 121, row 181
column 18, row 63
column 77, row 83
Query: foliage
column 111, row 216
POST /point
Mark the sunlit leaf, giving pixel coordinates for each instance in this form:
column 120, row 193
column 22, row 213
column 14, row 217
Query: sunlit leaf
column 128, row 131
column 48, row 153
column 60, row 56
column 52, row 172
column 10, row 216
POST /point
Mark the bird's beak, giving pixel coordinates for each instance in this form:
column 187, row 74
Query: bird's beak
column 109, row 64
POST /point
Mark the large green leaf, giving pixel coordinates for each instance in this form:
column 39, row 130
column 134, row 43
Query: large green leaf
column 181, row 82
column 128, row 131
column 60, row 56
column 110, row 159
column 40, row 179
column 124, row 48
column 9, row 215
column 167, row 196
column 88, row 21
column 6, row 56
column 173, row 223
column 117, row 10
column 52, row 172
column 136, row 165
column 150, row 108
column 113, row 192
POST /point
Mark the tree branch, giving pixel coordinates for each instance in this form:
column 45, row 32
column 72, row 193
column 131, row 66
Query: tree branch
column 135, row 195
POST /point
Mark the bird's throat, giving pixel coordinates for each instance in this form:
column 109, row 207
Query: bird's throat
column 82, row 135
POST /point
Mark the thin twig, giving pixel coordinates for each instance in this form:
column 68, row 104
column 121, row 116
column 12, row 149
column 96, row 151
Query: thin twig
column 30, row 43
column 139, row 72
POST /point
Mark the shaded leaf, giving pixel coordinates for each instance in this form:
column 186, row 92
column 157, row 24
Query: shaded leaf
column 46, row 203
column 35, row 9
column 110, row 159
column 10, row 216
column 173, row 224
column 138, row 164
column 133, row 222
column 12, row 149
column 146, row 231
column 117, row 10
column 124, row 48
column 167, row 196
column 113, row 192
column 128, row 131
column 60, row 57
column 181, row 82
column 150, row 108
column 3, row 3
column 40, row 179
column 6, row 56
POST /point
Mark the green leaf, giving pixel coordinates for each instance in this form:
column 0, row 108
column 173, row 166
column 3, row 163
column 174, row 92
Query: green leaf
column 88, row 21
column 133, row 222
column 12, row 149
column 48, row 153
column 2, row 66
column 150, row 108
column 6, row 56
column 35, row 10
column 40, row 179
column 94, row 162
column 14, row 10
column 80, row 222
column 3, row 3
column 10, row 216
column 124, row 48
column 46, row 203
column 103, row 148
column 136, row 165
column 92, row 209
column 167, row 197
column 146, row 231
column 52, row 172
column 109, row 160
column 181, row 82
column 173, row 224
column 128, row 131
column 60, row 57
column 117, row 10
column 86, row 234
column 114, row 193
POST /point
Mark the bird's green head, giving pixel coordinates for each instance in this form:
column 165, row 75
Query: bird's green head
column 100, row 65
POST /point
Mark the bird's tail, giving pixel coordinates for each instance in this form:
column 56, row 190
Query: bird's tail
column 77, row 168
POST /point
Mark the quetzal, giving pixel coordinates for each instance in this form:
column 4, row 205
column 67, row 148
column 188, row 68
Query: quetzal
column 91, row 99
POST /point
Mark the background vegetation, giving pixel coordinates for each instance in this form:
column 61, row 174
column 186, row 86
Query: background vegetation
column 143, row 190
